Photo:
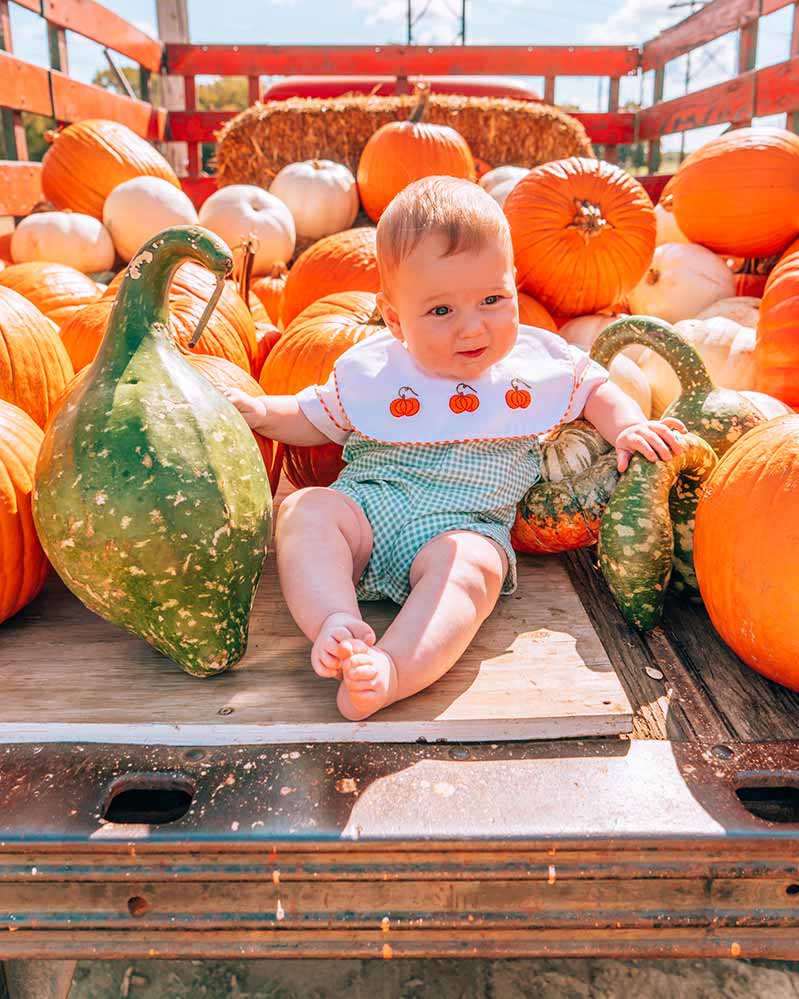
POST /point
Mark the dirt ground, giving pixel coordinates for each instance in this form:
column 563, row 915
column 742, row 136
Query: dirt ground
column 518, row 979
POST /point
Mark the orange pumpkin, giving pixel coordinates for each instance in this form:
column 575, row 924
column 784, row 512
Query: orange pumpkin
column 463, row 401
column 345, row 261
column 269, row 291
column 481, row 167
column 57, row 290
column 88, row 159
column 266, row 336
column 777, row 345
column 402, row 405
column 5, row 248
column 745, row 544
column 304, row 355
column 532, row 313
column 222, row 374
column 84, row 332
column 583, row 234
column 23, row 565
column 230, row 332
column 518, row 398
column 400, row 152
column 739, row 193
column 34, row 365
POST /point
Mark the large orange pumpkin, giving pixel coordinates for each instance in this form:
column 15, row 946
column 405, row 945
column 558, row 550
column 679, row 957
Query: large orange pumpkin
column 400, row 152
column 739, row 193
column 23, row 565
column 88, row 159
column 304, row 355
column 269, row 291
column 745, row 544
column 57, row 290
column 266, row 336
column 777, row 345
column 532, row 313
column 583, row 234
column 34, row 365
column 230, row 332
column 222, row 374
column 345, row 261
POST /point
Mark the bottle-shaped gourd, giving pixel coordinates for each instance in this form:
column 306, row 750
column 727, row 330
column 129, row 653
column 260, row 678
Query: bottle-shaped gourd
column 151, row 498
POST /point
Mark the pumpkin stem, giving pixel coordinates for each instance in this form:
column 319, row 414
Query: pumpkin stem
column 406, row 388
column 422, row 92
column 664, row 340
column 588, row 219
column 208, row 311
column 376, row 318
column 249, row 247
column 460, row 389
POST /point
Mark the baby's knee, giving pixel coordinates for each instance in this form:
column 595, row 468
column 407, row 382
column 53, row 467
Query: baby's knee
column 472, row 562
column 304, row 503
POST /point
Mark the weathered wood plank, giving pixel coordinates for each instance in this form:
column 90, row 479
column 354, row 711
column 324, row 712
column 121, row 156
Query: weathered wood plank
column 712, row 21
column 731, row 101
column 20, row 187
column 92, row 20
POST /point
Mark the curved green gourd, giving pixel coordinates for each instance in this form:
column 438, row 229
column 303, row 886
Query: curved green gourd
column 644, row 539
column 151, row 498
column 718, row 415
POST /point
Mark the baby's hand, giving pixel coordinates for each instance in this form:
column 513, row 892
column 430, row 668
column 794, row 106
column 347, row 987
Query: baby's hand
column 252, row 408
column 653, row 439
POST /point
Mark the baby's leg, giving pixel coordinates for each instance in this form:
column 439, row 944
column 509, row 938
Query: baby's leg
column 323, row 542
column 456, row 579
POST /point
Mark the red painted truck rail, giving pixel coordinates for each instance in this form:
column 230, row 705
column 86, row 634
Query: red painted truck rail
column 51, row 92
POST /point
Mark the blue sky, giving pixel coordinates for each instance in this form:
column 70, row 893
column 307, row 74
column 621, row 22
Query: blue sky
column 498, row 22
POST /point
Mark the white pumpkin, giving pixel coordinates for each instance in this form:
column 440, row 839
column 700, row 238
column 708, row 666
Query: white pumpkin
column 727, row 348
column 500, row 175
column 583, row 330
column 632, row 380
column 667, row 229
column 81, row 241
column 767, row 404
column 320, row 194
column 241, row 210
column 742, row 309
column 499, row 192
column 682, row 279
column 140, row 208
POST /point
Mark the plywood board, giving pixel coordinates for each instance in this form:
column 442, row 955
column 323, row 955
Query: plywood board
column 535, row 670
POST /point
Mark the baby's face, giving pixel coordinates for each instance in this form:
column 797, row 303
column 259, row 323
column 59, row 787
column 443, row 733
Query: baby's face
column 457, row 315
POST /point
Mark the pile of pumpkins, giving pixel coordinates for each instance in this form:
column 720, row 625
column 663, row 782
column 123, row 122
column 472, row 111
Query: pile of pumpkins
column 714, row 266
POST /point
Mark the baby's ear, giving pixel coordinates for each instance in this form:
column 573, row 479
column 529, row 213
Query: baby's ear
column 389, row 314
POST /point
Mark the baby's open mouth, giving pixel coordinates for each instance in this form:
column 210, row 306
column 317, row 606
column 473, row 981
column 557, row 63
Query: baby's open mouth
column 473, row 353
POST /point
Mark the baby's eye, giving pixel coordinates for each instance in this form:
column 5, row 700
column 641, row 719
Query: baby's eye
column 492, row 299
column 440, row 310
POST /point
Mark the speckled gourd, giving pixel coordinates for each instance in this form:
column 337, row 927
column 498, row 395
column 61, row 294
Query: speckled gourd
column 720, row 416
column 646, row 534
column 151, row 498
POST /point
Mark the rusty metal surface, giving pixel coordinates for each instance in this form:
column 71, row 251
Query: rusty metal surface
column 566, row 848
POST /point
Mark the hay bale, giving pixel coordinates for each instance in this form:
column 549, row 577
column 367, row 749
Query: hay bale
column 254, row 145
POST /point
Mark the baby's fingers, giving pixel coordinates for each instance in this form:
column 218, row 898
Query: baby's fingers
column 667, row 435
column 675, row 424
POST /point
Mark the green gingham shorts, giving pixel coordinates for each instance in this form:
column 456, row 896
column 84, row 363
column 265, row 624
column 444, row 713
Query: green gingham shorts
column 412, row 493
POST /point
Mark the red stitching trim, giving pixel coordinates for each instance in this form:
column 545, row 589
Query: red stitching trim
column 332, row 418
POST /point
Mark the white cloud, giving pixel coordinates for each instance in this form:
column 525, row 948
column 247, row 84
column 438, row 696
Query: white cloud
column 435, row 22
column 635, row 21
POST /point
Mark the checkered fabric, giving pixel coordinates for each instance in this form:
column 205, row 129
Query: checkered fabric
column 410, row 494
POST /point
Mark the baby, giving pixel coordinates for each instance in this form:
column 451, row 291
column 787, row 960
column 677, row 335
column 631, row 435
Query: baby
column 439, row 415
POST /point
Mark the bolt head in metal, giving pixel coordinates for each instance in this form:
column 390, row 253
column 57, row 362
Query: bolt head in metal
column 225, row 711
column 194, row 755
column 722, row 752
column 460, row 753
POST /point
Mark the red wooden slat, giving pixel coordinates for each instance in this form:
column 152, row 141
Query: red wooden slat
column 34, row 5
column 609, row 127
column 778, row 88
column 731, row 101
column 92, row 20
column 769, row 6
column 23, row 86
column 653, row 184
column 196, row 126
column 714, row 20
column 20, row 187
column 198, row 188
column 73, row 100
column 400, row 60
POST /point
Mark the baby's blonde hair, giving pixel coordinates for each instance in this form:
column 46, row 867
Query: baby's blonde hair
column 459, row 210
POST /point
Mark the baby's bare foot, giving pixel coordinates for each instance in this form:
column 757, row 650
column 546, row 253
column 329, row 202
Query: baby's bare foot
column 368, row 680
column 327, row 653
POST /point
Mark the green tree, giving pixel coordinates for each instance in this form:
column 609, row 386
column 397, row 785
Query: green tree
column 106, row 79
column 226, row 93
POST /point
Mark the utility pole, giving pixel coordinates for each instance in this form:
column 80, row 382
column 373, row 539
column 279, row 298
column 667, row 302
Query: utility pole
column 672, row 6
column 410, row 23
column 463, row 22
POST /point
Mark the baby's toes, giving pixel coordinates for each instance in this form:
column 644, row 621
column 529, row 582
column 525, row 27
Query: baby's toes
column 362, row 631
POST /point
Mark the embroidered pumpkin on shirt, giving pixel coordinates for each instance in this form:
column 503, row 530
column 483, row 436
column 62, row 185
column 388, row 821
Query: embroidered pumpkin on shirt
column 403, row 406
column 463, row 402
column 518, row 398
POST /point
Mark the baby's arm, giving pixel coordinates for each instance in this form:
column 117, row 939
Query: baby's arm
column 622, row 422
column 276, row 416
